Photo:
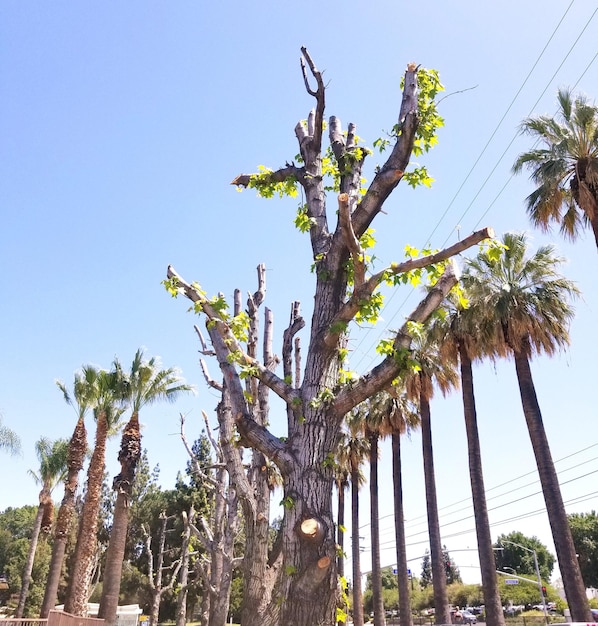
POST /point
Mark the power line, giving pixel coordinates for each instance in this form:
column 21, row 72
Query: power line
column 368, row 353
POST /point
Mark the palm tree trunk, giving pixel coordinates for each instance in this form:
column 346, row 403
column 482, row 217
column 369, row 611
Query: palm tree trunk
column 77, row 450
column 340, row 531
column 379, row 618
column 442, row 613
column 129, row 454
column 115, row 555
column 355, row 547
column 405, row 616
column 557, row 516
column 85, row 550
column 26, row 579
column 493, row 605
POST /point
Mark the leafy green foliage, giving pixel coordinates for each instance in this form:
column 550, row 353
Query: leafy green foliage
column 302, row 220
column 584, row 528
column 268, row 188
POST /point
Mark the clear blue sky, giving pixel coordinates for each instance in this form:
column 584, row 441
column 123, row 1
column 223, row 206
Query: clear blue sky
column 121, row 126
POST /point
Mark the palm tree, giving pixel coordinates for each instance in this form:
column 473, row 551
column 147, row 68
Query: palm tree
column 390, row 413
column 52, row 456
column 354, row 453
column 405, row 419
column 460, row 342
column 108, row 408
column 145, row 384
column 429, row 369
column 341, row 481
column 82, row 400
column 375, row 426
column 524, row 302
column 565, row 170
column 9, row 440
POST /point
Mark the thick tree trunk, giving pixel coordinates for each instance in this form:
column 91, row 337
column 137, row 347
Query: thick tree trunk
column 26, row 578
column 379, row 617
column 557, row 516
column 493, row 604
column 129, row 454
column 442, row 613
column 85, row 550
column 405, row 616
column 355, row 549
column 76, row 457
column 115, row 555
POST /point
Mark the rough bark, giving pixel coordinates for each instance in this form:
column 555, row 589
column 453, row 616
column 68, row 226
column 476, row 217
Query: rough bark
column 405, row 615
column 557, row 516
column 492, row 602
column 85, row 550
column 442, row 612
column 76, row 458
column 128, row 456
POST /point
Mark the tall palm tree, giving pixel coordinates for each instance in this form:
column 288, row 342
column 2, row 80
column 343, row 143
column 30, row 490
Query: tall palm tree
column 145, row 384
column 341, row 481
column 82, row 400
column 107, row 410
column 524, row 302
column 429, row 371
column 390, row 413
column 375, row 427
column 405, row 419
column 52, row 456
column 460, row 342
column 565, row 169
column 355, row 452
column 9, row 440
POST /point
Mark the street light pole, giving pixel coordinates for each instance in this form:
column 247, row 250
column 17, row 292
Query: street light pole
column 537, row 573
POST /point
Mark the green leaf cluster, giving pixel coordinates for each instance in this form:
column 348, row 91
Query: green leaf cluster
column 369, row 308
column 429, row 85
column 266, row 187
column 302, row 220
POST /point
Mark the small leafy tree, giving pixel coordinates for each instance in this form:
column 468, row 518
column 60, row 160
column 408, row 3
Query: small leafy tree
column 584, row 528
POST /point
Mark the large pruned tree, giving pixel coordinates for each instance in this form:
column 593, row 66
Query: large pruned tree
column 346, row 289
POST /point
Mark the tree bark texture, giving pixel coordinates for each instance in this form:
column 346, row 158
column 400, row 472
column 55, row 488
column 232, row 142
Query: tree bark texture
column 76, row 458
column 129, row 454
column 85, row 550
column 557, row 516
column 493, row 604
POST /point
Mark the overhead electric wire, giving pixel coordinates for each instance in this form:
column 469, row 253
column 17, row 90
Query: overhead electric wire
column 503, row 484
column 393, row 294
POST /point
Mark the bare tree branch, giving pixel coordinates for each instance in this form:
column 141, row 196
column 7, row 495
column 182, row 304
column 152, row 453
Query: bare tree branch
column 351, row 240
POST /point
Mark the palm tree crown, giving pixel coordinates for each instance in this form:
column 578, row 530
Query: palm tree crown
column 565, row 168
column 522, row 300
